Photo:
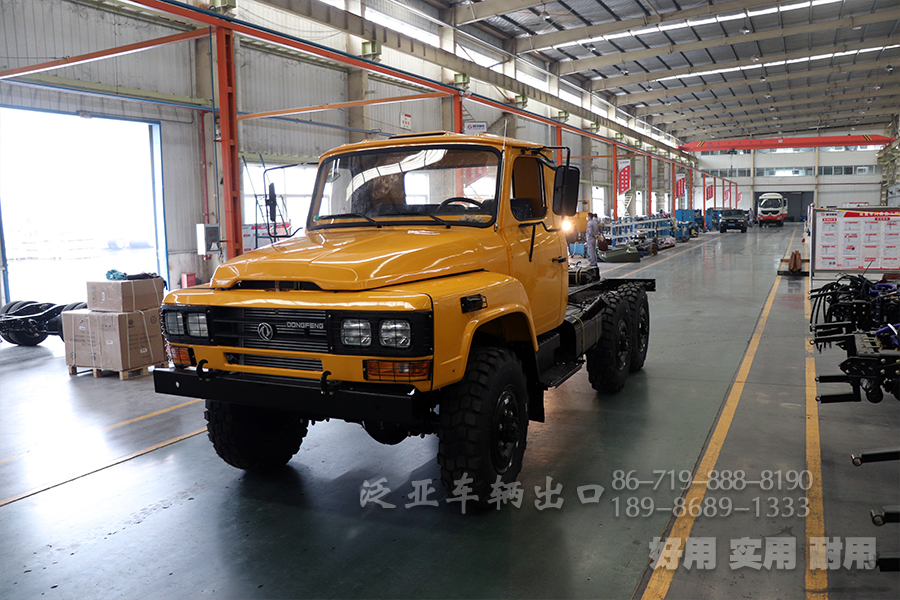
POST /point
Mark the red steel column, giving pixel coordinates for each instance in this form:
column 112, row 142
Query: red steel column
column 559, row 159
column 231, row 174
column 457, row 113
column 649, row 185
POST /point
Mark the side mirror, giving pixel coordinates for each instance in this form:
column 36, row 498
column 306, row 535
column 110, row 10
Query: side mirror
column 565, row 190
column 272, row 204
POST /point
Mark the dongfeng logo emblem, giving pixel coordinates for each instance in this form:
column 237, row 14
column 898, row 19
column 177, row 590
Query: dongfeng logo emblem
column 265, row 331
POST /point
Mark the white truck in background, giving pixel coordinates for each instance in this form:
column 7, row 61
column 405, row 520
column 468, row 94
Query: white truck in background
column 772, row 209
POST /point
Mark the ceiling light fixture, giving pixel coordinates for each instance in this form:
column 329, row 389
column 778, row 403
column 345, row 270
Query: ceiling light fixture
column 624, row 71
column 768, row 96
column 755, row 58
column 762, row 79
column 889, row 69
column 745, row 30
column 544, row 14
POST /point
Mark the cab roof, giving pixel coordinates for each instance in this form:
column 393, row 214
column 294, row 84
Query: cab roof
column 435, row 137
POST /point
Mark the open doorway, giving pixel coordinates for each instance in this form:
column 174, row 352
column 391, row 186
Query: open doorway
column 79, row 197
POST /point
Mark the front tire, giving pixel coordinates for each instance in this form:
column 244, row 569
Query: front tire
column 609, row 362
column 484, row 423
column 253, row 438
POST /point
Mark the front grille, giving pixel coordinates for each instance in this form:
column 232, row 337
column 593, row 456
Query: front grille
column 276, row 362
column 292, row 330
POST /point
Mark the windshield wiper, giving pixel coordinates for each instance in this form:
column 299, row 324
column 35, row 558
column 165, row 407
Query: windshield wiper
column 418, row 214
column 351, row 216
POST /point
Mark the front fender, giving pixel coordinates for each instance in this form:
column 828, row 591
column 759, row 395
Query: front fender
column 506, row 303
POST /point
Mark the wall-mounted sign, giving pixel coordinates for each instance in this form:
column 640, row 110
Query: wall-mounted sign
column 405, row 121
column 474, row 127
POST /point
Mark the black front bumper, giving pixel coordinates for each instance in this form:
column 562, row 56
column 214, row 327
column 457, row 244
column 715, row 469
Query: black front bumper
column 732, row 225
column 316, row 400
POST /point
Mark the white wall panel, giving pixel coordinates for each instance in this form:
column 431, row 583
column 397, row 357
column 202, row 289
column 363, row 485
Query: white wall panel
column 426, row 114
column 269, row 82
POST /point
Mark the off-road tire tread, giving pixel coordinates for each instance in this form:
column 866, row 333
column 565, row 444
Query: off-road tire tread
column 251, row 438
column 636, row 296
column 603, row 373
column 465, row 418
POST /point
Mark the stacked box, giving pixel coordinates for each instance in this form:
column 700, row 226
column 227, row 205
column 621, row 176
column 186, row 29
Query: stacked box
column 113, row 341
column 120, row 329
column 122, row 296
column 82, row 337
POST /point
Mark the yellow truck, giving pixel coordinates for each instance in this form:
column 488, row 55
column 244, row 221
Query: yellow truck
column 430, row 293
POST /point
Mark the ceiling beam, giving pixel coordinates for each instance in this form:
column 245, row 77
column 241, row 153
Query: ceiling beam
column 352, row 24
column 478, row 11
column 620, row 81
column 833, row 109
column 586, row 64
column 673, row 118
column 647, row 97
column 657, row 109
column 536, row 43
column 806, row 118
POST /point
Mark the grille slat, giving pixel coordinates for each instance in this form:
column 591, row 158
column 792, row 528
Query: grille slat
column 290, row 327
column 280, row 362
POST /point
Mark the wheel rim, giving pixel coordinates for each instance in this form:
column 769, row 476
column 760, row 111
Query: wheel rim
column 643, row 329
column 623, row 350
column 505, row 430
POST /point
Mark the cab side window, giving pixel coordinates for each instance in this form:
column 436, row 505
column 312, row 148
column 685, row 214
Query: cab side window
column 528, row 200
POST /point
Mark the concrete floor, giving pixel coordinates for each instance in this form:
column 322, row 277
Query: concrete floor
column 96, row 501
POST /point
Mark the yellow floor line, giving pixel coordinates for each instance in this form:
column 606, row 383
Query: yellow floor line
column 113, row 463
column 659, row 583
column 816, row 580
column 153, row 414
column 128, row 422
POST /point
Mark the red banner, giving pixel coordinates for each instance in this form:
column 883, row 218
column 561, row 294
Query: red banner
column 680, row 186
column 711, row 191
column 727, row 194
column 624, row 176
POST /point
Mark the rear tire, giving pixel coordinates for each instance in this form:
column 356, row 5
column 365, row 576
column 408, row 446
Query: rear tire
column 484, row 423
column 253, row 438
column 636, row 296
column 608, row 362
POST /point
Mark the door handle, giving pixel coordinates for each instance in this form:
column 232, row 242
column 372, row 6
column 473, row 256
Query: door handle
column 560, row 259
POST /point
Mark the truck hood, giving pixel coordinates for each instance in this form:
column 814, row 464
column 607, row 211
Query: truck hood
column 363, row 259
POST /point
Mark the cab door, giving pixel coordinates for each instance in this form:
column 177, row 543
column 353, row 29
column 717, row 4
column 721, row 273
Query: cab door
column 537, row 251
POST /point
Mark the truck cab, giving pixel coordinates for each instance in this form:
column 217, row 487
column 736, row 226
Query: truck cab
column 429, row 293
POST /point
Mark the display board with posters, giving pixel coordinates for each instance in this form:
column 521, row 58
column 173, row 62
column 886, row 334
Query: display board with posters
column 856, row 239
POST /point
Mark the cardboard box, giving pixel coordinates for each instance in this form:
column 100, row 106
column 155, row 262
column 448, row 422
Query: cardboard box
column 130, row 340
column 121, row 296
column 81, row 332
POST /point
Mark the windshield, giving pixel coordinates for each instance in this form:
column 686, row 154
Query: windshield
column 441, row 185
column 770, row 203
column 733, row 213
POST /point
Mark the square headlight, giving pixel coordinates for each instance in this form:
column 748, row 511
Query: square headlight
column 174, row 324
column 396, row 334
column 196, row 325
column 356, row 332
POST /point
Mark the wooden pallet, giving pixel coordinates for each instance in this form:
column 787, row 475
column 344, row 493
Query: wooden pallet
column 123, row 375
column 805, row 267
